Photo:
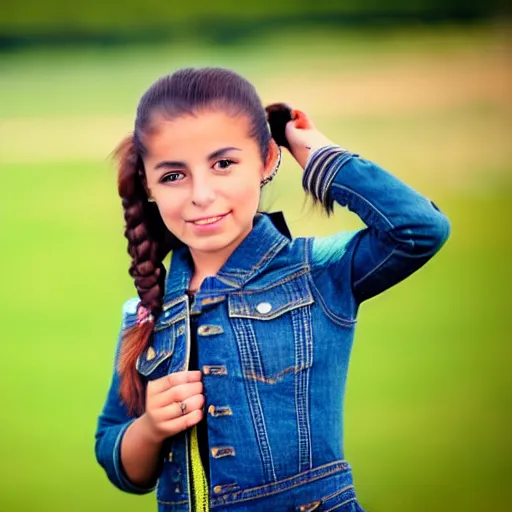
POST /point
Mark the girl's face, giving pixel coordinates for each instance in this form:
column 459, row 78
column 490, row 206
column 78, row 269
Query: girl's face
column 204, row 173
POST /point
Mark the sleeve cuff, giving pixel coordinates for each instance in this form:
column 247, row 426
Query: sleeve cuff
column 321, row 168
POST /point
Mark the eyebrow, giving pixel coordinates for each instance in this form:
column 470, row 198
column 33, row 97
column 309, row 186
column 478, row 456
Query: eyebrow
column 211, row 156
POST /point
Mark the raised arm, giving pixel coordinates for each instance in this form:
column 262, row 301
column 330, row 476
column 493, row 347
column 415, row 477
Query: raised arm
column 404, row 228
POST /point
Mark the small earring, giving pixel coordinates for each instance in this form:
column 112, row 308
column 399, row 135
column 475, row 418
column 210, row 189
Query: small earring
column 272, row 175
column 151, row 199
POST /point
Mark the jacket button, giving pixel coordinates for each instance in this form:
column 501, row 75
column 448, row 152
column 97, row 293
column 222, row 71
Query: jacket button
column 207, row 330
column 150, row 354
column 264, row 308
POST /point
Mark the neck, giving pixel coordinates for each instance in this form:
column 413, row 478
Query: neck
column 208, row 263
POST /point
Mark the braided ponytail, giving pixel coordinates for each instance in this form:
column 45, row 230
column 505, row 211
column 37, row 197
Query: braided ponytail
column 171, row 96
column 148, row 243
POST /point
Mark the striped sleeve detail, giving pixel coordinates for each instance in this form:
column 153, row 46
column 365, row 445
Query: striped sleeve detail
column 321, row 168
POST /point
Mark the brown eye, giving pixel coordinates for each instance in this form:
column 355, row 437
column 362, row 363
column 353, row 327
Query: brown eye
column 223, row 164
column 172, row 177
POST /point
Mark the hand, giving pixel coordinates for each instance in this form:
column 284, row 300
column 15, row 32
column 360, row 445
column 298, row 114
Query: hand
column 173, row 404
column 303, row 137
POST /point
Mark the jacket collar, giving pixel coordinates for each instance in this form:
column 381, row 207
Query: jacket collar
column 267, row 238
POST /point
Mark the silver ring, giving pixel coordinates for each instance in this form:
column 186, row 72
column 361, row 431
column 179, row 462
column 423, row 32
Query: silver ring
column 183, row 407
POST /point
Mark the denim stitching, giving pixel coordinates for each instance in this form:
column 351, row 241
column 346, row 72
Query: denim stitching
column 243, row 310
column 297, row 294
column 301, row 320
column 307, row 250
column 160, row 326
column 171, row 303
column 341, row 504
column 243, row 275
column 277, row 377
column 249, row 354
column 337, row 493
column 225, row 280
column 276, row 487
column 300, row 273
column 373, row 270
column 188, row 469
column 359, row 196
column 343, row 322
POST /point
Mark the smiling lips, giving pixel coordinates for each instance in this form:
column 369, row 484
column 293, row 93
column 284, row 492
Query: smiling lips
column 208, row 220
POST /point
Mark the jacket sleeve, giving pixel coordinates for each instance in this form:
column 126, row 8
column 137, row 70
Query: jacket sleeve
column 114, row 420
column 403, row 230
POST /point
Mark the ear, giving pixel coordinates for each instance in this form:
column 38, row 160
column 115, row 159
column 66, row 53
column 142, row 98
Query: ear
column 272, row 159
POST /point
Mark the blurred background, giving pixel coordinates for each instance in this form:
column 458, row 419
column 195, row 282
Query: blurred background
column 424, row 88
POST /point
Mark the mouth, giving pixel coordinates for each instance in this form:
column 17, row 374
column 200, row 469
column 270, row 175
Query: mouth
column 205, row 221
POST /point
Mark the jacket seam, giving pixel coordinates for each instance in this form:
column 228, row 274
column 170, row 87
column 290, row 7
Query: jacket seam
column 343, row 322
column 337, row 493
column 341, row 504
column 335, row 468
column 373, row 270
column 300, row 273
column 369, row 203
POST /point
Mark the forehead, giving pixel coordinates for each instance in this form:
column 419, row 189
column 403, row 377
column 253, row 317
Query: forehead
column 200, row 133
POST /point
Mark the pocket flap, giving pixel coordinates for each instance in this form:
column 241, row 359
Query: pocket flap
column 272, row 301
column 169, row 326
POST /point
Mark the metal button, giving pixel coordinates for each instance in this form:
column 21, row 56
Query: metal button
column 310, row 506
column 220, row 410
column 150, row 354
column 208, row 330
column 222, row 451
column 215, row 369
column 264, row 308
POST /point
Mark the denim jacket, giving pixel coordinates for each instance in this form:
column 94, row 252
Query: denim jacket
column 274, row 338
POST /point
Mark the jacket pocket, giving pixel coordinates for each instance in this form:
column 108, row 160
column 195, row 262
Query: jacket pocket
column 168, row 333
column 273, row 329
column 343, row 500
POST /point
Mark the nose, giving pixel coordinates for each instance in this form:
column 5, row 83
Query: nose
column 203, row 192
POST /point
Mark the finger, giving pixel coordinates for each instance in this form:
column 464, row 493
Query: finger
column 175, row 410
column 173, row 379
column 193, row 403
column 182, row 423
column 301, row 120
column 176, row 394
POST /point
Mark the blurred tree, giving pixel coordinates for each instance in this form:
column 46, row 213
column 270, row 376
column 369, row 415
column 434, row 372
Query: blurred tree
column 30, row 21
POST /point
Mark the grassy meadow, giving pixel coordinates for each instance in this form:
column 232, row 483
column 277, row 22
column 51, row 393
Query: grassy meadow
column 429, row 392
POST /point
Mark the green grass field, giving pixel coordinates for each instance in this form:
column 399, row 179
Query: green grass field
column 429, row 392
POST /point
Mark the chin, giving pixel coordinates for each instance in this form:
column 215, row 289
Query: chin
column 213, row 244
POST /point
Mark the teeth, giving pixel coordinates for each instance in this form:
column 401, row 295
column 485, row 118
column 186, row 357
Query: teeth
column 211, row 220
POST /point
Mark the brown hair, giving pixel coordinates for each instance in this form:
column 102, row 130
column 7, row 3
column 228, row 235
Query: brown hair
column 184, row 92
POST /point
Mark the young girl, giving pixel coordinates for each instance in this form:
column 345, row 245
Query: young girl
column 230, row 372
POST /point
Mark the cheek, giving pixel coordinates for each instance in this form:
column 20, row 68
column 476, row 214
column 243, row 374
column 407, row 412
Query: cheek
column 247, row 195
column 170, row 211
